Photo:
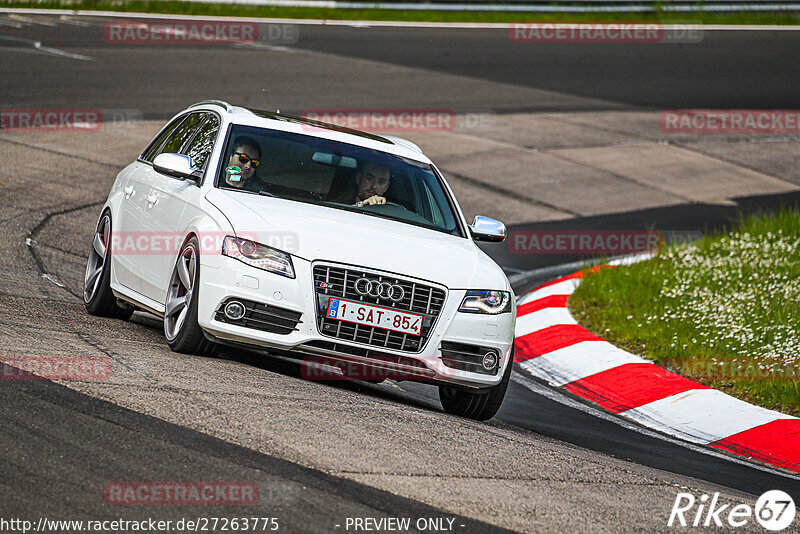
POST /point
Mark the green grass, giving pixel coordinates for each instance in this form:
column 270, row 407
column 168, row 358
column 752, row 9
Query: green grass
column 724, row 312
column 228, row 10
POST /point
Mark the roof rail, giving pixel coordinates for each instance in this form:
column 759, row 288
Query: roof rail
column 219, row 103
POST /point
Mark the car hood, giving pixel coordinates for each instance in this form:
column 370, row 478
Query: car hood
column 315, row 232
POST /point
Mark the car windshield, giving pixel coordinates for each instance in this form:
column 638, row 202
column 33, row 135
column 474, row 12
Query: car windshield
column 309, row 169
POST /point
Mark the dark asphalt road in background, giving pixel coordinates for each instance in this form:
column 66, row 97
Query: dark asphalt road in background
column 727, row 70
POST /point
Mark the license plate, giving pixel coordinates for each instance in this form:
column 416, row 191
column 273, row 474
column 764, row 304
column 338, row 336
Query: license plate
column 353, row 311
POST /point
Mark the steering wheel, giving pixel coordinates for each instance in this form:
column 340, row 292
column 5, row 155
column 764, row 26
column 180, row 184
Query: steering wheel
column 395, row 204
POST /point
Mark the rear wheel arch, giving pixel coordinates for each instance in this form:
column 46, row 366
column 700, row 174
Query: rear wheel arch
column 98, row 297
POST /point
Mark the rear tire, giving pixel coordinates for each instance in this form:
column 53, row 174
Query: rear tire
column 479, row 405
column 98, row 298
column 181, row 329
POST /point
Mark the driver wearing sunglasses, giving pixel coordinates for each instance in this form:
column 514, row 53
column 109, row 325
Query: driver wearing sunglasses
column 246, row 157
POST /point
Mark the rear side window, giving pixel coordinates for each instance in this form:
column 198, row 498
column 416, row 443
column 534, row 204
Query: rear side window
column 199, row 149
column 156, row 143
column 182, row 134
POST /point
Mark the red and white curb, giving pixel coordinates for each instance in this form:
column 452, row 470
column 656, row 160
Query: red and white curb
column 551, row 345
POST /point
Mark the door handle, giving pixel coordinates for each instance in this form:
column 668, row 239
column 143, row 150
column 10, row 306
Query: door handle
column 152, row 200
column 129, row 190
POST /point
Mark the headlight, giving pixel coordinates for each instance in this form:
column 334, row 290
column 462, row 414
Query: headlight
column 258, row 256
column 491, row 302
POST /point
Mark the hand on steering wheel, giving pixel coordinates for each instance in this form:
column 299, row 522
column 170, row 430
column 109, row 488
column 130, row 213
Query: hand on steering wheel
column 374, row 200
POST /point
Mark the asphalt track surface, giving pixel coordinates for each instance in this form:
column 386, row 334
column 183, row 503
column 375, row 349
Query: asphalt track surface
column 70, row 468
column 727, row 69
column 59, row 446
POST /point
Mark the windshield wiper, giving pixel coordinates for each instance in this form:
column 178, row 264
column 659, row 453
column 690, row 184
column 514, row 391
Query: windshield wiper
column 268, row 194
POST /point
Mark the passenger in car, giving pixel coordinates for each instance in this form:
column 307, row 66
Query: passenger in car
column 246, row 157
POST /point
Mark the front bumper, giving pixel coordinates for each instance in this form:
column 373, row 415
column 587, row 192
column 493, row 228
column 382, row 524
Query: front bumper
column 225, row 278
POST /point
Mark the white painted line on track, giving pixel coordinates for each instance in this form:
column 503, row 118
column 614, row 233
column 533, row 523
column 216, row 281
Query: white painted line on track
column 368, row 23
column 9, row 24
column 37, row 46
column 52, row 279
column 66, row 19
column 62, row 53
column 27, row 20
column 561, row 398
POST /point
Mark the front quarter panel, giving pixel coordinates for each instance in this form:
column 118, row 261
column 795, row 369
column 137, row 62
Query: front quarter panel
column 210, row 225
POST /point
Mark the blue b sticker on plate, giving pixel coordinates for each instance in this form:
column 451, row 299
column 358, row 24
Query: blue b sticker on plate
column 333, row 308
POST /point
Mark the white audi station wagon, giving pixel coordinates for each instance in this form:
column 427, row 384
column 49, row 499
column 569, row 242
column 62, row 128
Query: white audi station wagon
column 344, row 249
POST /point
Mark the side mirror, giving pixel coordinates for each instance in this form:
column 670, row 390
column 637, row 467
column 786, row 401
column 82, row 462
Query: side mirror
column 175, row 165
column 486, row 229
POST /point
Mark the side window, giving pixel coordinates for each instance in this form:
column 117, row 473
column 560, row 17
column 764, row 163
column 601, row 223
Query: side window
column 156, row 143
column 182, row 134
column 200, row 147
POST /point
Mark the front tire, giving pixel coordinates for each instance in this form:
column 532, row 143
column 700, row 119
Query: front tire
column 98, row 298
column 480, row 405
column 181, row 329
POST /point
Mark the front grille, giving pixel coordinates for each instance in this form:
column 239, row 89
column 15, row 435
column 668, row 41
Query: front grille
column 262, row 317
column 468, row 357
column 336, row 281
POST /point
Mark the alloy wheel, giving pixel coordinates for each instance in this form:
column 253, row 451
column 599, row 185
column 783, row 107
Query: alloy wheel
column 97, row 258
column 180, row 292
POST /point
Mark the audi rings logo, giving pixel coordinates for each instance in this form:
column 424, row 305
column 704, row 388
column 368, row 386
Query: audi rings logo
column 379, row 290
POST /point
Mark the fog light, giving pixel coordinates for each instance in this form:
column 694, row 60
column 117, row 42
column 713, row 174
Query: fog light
column 489, row 361
column 234, row 310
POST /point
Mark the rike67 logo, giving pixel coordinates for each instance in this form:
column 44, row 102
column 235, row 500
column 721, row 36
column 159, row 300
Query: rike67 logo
column 774, row 511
